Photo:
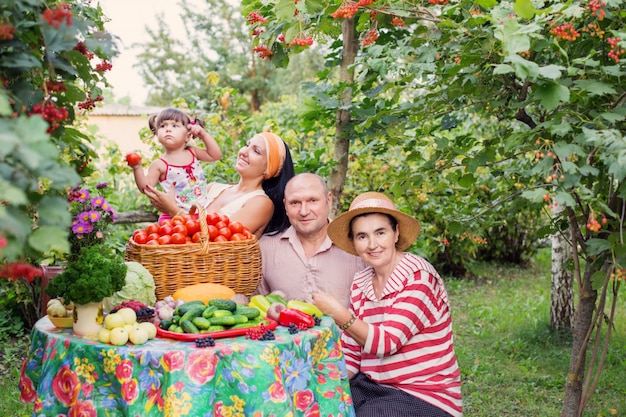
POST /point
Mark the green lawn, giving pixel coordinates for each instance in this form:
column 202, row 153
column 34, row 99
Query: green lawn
column 512, row 364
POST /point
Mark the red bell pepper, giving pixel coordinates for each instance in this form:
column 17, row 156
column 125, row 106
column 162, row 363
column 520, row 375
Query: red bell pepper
column 292, row 316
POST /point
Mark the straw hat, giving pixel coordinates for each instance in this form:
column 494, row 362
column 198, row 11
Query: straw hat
column 373, row 202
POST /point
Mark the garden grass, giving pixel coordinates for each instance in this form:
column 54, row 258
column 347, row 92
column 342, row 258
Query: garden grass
column 511, row 363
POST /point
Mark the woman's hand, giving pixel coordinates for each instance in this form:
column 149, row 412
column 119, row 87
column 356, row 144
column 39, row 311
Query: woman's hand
column 164, row 202
column 330, row 306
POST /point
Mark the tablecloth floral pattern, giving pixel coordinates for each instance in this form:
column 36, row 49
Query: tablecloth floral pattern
column 294, row 375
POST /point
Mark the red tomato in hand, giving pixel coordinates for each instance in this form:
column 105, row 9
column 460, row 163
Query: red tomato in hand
column 133, row 158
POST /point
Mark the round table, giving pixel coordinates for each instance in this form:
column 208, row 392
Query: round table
column 303, row 374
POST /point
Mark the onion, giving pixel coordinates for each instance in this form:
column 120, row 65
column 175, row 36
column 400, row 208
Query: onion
column 273, row 311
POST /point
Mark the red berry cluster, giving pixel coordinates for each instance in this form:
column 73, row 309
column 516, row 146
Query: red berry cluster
column 258, row 31
column 6, row 31
column 616, row 50
column 104, row 66
column 90, row 103
column 55, row 86
column 254, row 17
column 281, row 38
column 398, row 22
column 619, row 274
column 17, row 271
column 255, row 333
column 55, row 17
column 370, row 37
column 593, row 225
column 346, row 10
column 50, row 113
column 566, row 32
column 308, row 41
column 80, row 47
column 439, row 2
column 597, row 8
column 263, row 51
column 363, row 3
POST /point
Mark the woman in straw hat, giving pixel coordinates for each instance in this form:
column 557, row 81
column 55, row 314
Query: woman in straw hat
column 264, row 165
column 397, row 337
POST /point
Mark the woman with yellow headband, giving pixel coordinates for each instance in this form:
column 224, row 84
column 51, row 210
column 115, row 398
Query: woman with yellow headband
column 264, row 165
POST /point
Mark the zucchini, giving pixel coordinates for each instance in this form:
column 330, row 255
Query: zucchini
column 189, row 327
column 201, row 323
column 222, row 304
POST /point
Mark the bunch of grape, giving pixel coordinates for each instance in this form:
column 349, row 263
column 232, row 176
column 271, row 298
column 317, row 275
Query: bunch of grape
column 293, row 329
column 317, row 320
column 143, row 311
column 203, row 342
column 268, row 335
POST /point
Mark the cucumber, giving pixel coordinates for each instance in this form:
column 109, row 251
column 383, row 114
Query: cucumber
column 192, row 313
column 222, row 313
column 208, row 312
column 183, row 308
column 253, row 323
column 223, row 321
column 250, row 312
column 201, row 323
column 166, row 324
column 223, row 304
column 216, row 328
column 189, row 327
column 176, row 329
column 240, row 319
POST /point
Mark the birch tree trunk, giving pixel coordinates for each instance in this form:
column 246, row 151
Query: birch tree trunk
column 562, row 284
column 342, row 130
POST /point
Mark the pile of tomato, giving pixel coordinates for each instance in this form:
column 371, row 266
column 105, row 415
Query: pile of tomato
column 180, row 230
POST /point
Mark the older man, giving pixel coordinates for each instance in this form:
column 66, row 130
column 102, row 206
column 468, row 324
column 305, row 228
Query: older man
column 302, row 260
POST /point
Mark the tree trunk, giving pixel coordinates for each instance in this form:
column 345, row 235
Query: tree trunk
column 582, row 323
column 562, row 287
column 343, row 119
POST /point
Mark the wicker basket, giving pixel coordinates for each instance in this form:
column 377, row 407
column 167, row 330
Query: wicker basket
column 236, row 264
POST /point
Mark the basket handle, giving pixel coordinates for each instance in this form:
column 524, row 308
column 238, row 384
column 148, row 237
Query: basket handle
column 204, row 227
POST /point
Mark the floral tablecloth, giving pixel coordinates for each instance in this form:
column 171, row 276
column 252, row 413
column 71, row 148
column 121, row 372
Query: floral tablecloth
column 294, row 375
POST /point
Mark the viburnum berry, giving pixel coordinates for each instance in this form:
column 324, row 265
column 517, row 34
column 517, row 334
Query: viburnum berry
column 439, row 2
column 7, row 31
column 80, row 47
column 370, row 37
column 254, row 17
column 104, row 66
column 263, row 51
column 308, row 41
column 55, row 17
column 597, row 9
column 398, row 22
column 346, row 10
column 565, row 31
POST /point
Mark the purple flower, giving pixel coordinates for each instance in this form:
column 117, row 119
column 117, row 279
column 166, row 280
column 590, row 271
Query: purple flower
column 94, row 216
column 82, row 195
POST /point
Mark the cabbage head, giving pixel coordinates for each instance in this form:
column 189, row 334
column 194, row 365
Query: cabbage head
column 139, row 286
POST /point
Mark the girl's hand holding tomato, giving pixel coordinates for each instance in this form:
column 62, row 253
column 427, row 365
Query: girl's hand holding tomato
column 133, row 159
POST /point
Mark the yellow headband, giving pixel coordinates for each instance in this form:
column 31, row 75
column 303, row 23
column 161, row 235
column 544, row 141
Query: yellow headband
column 275, row 154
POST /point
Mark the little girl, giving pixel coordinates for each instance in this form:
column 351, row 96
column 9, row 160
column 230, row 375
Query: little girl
column 179, row 166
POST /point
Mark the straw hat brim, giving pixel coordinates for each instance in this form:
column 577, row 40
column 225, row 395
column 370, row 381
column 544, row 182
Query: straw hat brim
column 339, row 228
